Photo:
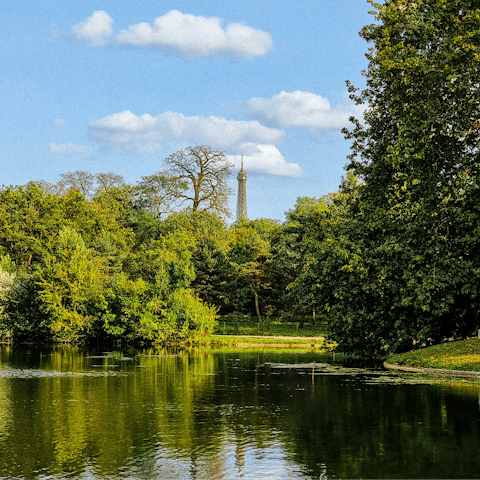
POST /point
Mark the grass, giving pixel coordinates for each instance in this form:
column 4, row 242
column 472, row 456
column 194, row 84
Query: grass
column 239, row 325
column 234, row 341
column 462, row 355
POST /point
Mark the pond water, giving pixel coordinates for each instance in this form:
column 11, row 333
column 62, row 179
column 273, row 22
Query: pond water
column 67, row 412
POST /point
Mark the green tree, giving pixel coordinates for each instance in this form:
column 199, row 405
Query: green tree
column 249, row 255
column 210, row 244
column 71, row 288
column 411, row 244
column 289, row 251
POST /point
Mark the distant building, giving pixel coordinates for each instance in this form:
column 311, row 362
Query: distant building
column 242, row 194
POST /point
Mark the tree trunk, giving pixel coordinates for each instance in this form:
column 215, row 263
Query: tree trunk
column 257, row 308
column 313, row 316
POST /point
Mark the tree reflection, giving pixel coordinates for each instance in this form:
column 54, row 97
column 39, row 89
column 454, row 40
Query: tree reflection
column 194, row 413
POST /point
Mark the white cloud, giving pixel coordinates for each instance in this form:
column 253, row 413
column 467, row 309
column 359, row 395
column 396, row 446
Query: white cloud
column 196, row 36
column 302, row 110
column 181, row 34
column 266, row 159
column 71, row 149
column 94, row 29
column 145, row 134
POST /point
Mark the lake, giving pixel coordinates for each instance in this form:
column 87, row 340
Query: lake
column 68, row 412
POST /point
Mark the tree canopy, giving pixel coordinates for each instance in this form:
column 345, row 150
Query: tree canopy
column 413, row 234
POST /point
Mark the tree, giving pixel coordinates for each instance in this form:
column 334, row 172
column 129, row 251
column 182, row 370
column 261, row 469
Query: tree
column 290, row 250
column 159, row 195
column 71, row 288
column 249, row 255
column 80, row 180
column 205, row 172
column 211, row 241
column 107, row 180
column 415, row 276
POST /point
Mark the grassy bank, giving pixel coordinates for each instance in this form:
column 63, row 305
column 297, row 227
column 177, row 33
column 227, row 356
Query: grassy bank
column 259, row 341
column 461, row 355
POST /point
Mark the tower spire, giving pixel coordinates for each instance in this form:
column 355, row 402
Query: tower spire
column 242, row 194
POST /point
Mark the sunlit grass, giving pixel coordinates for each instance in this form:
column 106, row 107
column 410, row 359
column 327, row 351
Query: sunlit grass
column 268, row 326
column 461, row 355
column 232, row 341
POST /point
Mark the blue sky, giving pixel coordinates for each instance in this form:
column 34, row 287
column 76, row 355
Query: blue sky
column 111, row 85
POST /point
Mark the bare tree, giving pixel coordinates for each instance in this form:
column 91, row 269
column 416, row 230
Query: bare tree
column 107, row 180
column 205, row 174
column 46, row 187
column 80, row 180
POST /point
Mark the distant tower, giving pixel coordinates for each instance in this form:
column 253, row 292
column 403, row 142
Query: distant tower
column 242, row 194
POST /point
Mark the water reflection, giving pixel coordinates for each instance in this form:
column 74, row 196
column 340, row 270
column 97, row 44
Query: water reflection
column 194, row 414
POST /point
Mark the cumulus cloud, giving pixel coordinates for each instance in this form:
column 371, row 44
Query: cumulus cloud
column 301, row 110
column 94, row 29
column 179, row 33
column 146, row 134
column 71, row 149
column 196, row 36
column 266, row 159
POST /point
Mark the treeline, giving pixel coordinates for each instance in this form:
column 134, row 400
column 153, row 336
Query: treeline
column 94, row 258
column 75, row 269
column 90, row 257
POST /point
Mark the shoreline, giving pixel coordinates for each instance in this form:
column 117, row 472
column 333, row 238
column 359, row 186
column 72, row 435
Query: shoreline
column 433, row 371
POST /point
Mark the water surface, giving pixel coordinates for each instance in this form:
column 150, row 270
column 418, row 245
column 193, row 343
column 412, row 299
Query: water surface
column 68, row 412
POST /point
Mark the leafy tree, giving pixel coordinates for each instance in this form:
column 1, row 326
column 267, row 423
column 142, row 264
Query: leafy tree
column 21, row 317
column 30, row 220
column 71, row 288
column 154, row 302
column 411, row 245
column 249, row 256
column 160, row 195
column 211, row 242
column 289, row 255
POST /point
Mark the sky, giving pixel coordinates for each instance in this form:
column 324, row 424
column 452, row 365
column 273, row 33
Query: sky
column 115, row 85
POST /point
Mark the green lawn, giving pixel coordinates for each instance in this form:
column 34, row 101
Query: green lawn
column 269, row 326
column 264, row 341
column 461, row 355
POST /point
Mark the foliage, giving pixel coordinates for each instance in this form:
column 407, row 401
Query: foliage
column 21, row 318
column 405, row 267
column 75, row 274
column 30, row 220
column 71, row 288
column 289, row 256
column 249, row 255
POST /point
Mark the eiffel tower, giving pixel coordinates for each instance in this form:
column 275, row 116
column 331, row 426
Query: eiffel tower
column 242, row 194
